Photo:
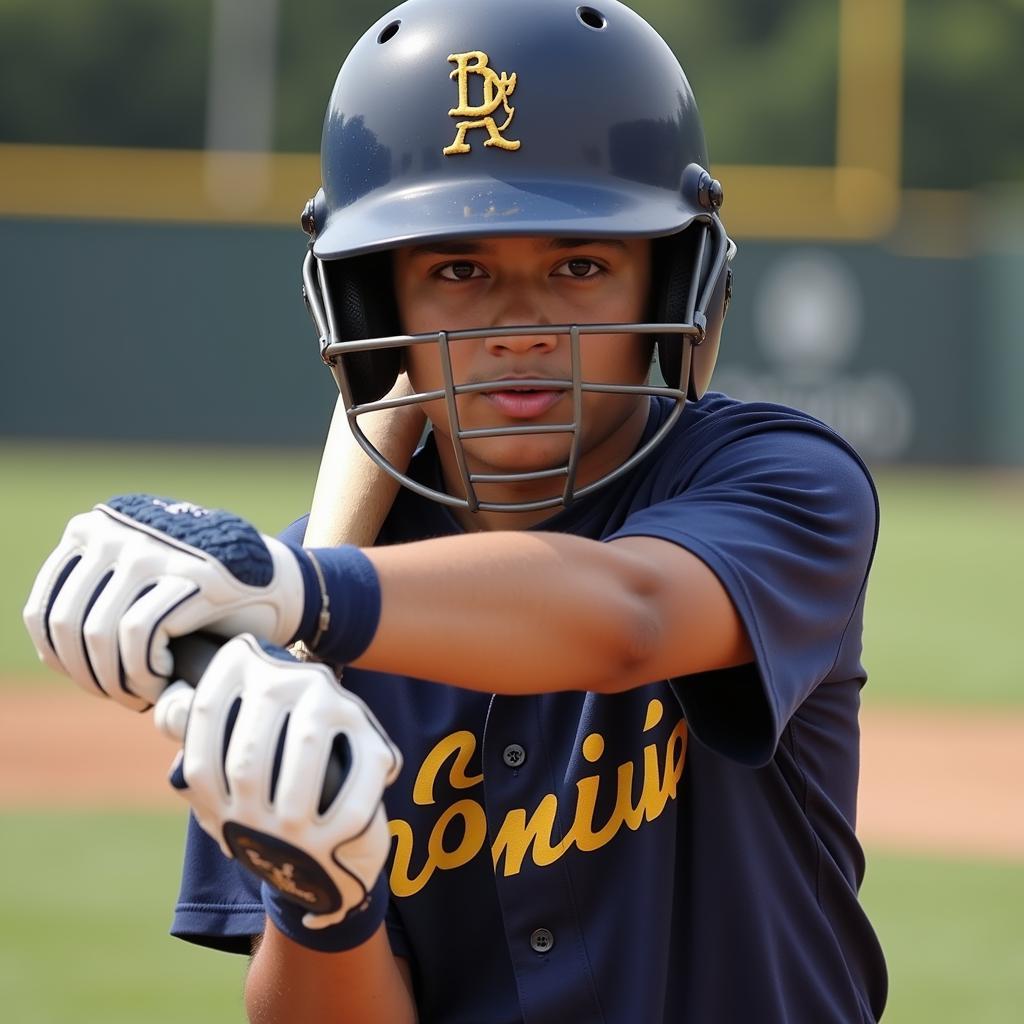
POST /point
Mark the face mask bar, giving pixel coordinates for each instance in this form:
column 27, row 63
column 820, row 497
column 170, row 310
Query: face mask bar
column 321, row 308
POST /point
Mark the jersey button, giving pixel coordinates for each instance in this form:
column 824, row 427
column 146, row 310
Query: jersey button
column 514, row 755
column 541, row 940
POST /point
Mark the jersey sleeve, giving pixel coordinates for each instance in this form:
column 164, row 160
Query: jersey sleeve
column 787, row 521
column 219, row 903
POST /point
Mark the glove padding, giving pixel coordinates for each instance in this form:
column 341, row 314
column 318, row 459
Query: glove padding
column 138, row 570
column 265, row 733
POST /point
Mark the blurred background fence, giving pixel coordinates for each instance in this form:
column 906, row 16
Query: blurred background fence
column 154, row 158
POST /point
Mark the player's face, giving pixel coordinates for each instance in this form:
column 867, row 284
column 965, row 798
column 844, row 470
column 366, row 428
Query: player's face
column 518, row 281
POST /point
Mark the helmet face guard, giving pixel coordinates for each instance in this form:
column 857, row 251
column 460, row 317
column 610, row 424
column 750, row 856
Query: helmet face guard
column 362, row 396
column 476, row 141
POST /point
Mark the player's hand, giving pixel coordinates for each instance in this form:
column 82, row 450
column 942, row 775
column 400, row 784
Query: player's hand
column 138, row 570
column 265, row 735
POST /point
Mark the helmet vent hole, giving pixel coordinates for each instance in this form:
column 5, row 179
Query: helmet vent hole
column 591, row 17
column 389, row 32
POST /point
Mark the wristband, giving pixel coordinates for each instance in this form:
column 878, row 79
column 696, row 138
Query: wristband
column 342, row 607
column 357, row 928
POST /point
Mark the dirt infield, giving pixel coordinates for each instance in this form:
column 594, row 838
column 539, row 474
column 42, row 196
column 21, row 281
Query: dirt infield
column 934, row 782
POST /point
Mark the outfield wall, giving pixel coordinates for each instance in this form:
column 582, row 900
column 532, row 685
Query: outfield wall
column 198, row 333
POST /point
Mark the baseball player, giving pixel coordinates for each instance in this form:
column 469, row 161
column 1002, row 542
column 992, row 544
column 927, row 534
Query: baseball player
column 594, row 756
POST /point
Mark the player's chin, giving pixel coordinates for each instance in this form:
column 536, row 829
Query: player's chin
column 520, row 453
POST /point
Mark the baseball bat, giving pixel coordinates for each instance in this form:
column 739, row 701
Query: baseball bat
column 351, row 500
column 353, row 495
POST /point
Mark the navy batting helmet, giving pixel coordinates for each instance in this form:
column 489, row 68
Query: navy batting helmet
column 483, row 118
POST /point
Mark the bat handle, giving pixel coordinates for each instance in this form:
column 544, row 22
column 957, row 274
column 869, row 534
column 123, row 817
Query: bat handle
column 192, row 656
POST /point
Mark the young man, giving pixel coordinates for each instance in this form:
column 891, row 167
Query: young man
column 605, row 653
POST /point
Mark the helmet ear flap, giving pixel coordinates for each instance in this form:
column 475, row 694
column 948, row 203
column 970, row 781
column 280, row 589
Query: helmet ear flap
column 705, row 355
column 673, row 263
column 686, row 365
column 361, row 294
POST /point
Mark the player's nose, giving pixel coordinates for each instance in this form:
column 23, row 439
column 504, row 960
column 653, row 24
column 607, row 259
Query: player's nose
column 522, row 310
column 533, row 338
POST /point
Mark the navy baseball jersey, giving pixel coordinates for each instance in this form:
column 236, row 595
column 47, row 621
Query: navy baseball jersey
column 681, row 851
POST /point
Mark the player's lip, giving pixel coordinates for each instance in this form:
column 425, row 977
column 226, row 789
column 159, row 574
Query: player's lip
column 520, row 401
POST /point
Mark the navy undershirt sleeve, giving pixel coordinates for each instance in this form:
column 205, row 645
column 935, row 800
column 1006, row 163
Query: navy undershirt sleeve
column 787, row 521
column 294, row 531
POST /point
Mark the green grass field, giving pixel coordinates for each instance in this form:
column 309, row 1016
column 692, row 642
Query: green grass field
column 952, row 938
column 85, row 905
column 86, row 898
column 944, row 600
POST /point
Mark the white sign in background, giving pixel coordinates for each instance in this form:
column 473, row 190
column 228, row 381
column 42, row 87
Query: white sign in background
column 809, row 325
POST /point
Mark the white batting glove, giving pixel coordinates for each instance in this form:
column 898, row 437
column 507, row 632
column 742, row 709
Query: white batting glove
column 138, row 570
column 286, row 770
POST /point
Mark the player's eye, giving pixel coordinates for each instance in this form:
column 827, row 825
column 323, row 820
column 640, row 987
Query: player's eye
column 579, row 267
column 461, row 271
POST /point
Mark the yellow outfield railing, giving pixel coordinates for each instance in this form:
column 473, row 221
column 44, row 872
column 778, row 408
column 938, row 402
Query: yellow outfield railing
column 858, row 198
column 155, row 184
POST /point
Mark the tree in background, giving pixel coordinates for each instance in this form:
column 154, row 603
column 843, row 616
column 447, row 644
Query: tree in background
column 134, row 73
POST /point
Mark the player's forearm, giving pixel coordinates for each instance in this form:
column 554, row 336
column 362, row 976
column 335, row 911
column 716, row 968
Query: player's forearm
column 289, row 984
column 513, row 612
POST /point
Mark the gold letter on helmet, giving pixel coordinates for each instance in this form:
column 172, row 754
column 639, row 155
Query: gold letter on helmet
column 496, row 89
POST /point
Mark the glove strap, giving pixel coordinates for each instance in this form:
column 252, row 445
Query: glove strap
column 358, row 927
